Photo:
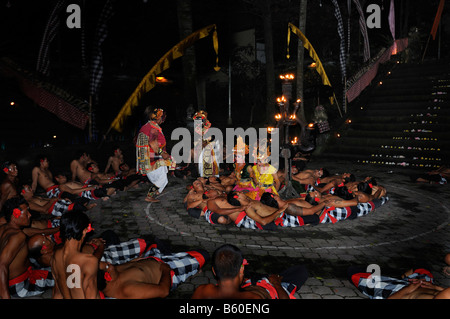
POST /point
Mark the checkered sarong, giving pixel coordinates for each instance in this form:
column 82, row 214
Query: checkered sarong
column 124, row 252
column 53, row 191
column 183, row 264
column 246, row 222
column 61, row 207
column 334, row 214
column 31, row 283
column 381, row 287
column 286, row 220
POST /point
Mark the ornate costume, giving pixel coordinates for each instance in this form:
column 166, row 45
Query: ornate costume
column 209, row 156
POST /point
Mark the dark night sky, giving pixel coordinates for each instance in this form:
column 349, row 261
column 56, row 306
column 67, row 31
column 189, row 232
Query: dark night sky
column 140, row 32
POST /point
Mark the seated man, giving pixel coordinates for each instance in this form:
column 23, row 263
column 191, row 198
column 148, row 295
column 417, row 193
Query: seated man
column 9, row 184
column 73, row 230
column 42, row 176
column 228, row 266
column 78, row 167
column 114, row 161
column 153, row 276
column 17, row 277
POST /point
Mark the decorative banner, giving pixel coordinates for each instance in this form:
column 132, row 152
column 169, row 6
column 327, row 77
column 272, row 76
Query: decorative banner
column 51, row 29
column 312, row 53
column 97, row 57
column 64, row 105
column 342, row 56
column 392, row 19
column 363, row 28
column 437, row 19
column 149, row 81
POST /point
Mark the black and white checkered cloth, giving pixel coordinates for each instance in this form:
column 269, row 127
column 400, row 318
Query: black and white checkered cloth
column 246, row 222
column 342, row 54
column 124, row 252
column 363, row 28
column 183, row 264
column 32, row 283
column 51, row 29
column 335, row 214
column 97, row 57
column 381, row 287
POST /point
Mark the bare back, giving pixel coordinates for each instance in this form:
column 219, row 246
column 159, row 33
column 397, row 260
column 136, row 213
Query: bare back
column 65, row 268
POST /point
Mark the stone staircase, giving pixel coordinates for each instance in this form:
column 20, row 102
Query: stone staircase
column 403, row 120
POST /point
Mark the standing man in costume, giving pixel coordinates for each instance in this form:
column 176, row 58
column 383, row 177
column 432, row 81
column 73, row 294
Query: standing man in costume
column 208, row 159
column 151, row 155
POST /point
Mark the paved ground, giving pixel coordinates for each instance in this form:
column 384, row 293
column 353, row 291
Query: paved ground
column 410, row 230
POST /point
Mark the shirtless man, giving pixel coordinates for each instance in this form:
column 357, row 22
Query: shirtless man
column 196, row 200
column 15, row 267
column 78, row 167
column 69, row 259
column 53, row 206
column 8, row 187
column 41, row 175
column 413, row 284
column 309, row 176
column 228, row 266
column 114, row 162
column 152, row 276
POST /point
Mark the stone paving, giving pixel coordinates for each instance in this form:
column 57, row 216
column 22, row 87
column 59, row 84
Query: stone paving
column 410, row 230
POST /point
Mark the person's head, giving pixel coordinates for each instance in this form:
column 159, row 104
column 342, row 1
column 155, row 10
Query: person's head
column 210, row 194
column 39, row 245
column 117, row 151
column 343, row 193
column 233, row 199
column 42, row 161
column 10, row 168
column 81, row 155
column 365, row 187
column 124, row 167
column 74, row 225
column 228, row 262
column 16, row 210
column 269, row 200
column 60, row 178
column 92, row 167
column 348, row 177
column 313, row 197
column 155, row 114
column 27, row 191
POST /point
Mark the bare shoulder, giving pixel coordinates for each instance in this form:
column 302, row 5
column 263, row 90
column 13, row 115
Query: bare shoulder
column 205, row 291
